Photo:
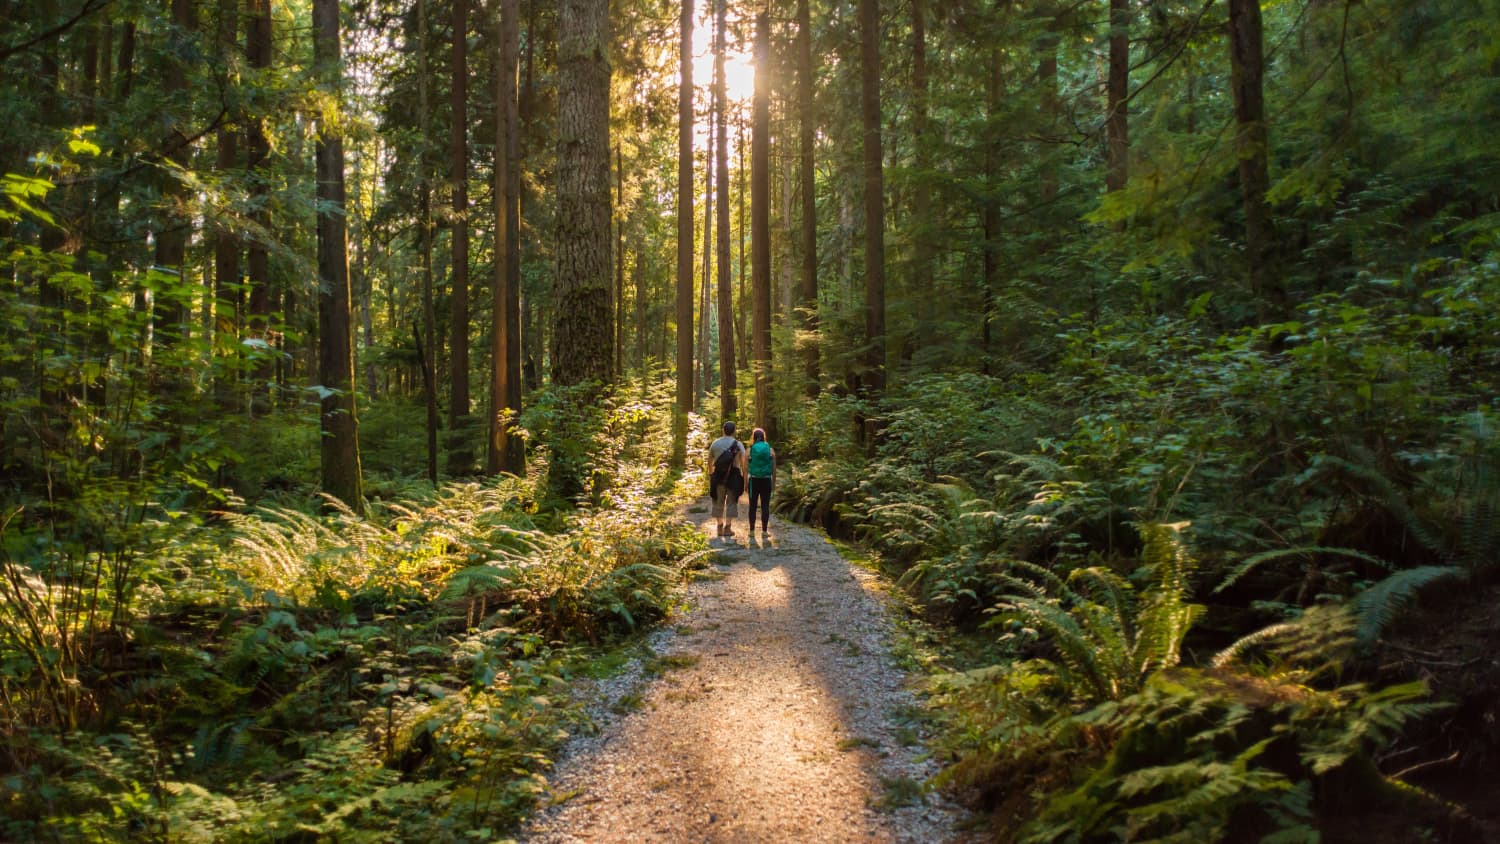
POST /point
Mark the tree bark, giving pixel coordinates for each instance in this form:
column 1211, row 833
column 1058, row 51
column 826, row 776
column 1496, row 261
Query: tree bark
column 257, row 257
column 1116, row 123
column 806, row 140
column 227, row 244
column 1251, row 141
column 506, row 452
column 619, row 343
column 340, row 428
column 684, row 233
column 727, row 369
column 873, row 378
column 460, row 456
column 760, row 222
column 170, row 308
column 921, row 202
column 705, row 299
column 581, row 341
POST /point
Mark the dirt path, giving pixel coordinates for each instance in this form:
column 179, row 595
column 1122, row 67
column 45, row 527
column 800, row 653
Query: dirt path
column 779, row 715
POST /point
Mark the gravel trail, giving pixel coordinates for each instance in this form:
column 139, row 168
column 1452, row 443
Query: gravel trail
column 776, row 714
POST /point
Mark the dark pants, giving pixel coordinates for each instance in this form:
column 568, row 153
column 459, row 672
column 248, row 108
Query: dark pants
column 760, row 490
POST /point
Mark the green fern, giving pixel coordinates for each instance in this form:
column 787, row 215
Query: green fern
column 1302, row 552
column 1380, row 604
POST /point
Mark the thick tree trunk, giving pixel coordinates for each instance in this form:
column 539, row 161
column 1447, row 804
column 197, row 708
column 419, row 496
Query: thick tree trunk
column 921, row 202
column 684, row 231
column 227, row 244
column 1251, row 141
column 257, row 257
column 760, row 223
column 806, row 140
column 1046, row 73
column 428, row 351
column 460, row 453
column 506, row 452
column 582, row 337
column 340, row 429
column 1116, row 124
column 872, row 379
column 741, row 343
column 705, row 298
column 727, row 380
column 171, row 309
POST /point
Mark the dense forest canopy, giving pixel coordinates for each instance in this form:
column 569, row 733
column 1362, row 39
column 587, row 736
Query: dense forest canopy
column 1153, row 346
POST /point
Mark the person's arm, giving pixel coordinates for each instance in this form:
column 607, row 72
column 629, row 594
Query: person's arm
column 773, row 466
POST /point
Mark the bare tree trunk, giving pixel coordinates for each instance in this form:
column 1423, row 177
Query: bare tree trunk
column 582, row 338
column 684, row 234
column 460, row 454
column 1247, row 66
column 424, row 226
column 760, row 225
column 806, row 132
column 1046, row 73
column 740, row 341
column 227, row 244
column 340, row 428
column 257, row 257
column 171, row 311
column 705, row 301
column 619, row 315
column 506, row 452
column 921, row 203
column 1116, row 124
column 727, row 373
column 873, row 377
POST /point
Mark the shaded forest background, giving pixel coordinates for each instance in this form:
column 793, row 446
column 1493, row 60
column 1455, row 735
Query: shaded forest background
column 1151, row 345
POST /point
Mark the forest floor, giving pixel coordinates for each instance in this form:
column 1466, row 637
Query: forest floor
column 772, row 710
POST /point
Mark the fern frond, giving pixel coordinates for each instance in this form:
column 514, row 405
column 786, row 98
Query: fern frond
column 1255, row 560
column 1378, row 605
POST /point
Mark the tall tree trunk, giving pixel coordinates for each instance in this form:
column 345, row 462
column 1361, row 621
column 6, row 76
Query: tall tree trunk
column 506, row 452
column 990, row 220
column 1116, row 123
column 873, row 377
column 741, row 342
column 424, row 228
column 460, row 452
column 806, row 139
column 760, row 223
column 226, row 242
column 684, row 233
column 340, row 429
column 619, row 343
column 727, row 373
column 171, row 311
column 1251, row 141
column 582, row 337
column 257, row 256
column 1046, row 73
column 705, row 300
column 921, row 202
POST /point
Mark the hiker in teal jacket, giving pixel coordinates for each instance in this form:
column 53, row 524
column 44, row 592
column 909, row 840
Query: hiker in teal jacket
column 762, row 478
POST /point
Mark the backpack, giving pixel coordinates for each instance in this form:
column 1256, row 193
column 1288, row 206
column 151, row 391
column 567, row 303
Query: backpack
column 726, row 459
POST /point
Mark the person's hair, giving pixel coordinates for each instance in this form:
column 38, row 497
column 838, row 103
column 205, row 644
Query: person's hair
column 728, row 428
column 759, row 435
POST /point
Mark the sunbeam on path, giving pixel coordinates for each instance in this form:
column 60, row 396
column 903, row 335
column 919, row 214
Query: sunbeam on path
column 785, row 718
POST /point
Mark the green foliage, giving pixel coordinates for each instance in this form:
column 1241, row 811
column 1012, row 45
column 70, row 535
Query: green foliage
column 1107, row 641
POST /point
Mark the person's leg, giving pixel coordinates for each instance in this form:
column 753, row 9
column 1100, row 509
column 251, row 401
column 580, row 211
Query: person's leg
column 765, row 504
column 719, row 496
column 731, row 511
column 754, row 493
